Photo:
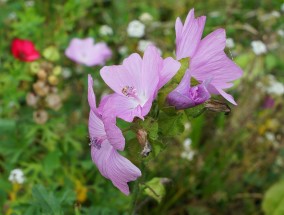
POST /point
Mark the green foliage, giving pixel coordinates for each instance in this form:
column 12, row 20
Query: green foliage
column 171, row 125
column 51, row 53
column 154, row 188
column 273, row 202
column 236, row 156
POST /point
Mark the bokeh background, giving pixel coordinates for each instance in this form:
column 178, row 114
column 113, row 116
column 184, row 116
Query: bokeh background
column 220, row 164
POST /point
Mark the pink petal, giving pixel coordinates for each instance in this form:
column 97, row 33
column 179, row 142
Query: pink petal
column 152, row 62
column 227, row 96
column 123, row 107
column 91, row 95
column 113, row 133
column 96, row 126
column 128, row 74
column 178, row 28
column 170, row 68
column 188, row 39
column 115, row 167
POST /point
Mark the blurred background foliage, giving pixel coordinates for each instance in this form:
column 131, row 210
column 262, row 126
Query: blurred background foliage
column 234, row 164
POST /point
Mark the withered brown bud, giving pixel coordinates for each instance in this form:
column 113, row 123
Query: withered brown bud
column 53, row 80
column 53, row 101
column 141, row 135
column 31, row 99
column 146, row 150
column 41, row 74
column 217, row 106
column 40, row 88
column 40, row 116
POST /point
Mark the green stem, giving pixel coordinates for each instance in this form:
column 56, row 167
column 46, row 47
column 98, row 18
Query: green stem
column 136, row 190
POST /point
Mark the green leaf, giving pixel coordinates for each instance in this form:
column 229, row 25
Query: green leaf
column 155, row 189
column 46, row 200
column 150, row 126
column 7, row 125
column 194, row 111
column 51, row 53
column 273, row 202
column 171, row 125
column 51, row 162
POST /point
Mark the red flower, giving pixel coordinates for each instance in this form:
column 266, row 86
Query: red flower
column 24, row 50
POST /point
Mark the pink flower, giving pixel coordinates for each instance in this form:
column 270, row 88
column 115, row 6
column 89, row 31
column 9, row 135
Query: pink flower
column 104, row 154
column 188, row 35
column 185, row 96
column 208, row 60
column 136, row 83
column 84, row 51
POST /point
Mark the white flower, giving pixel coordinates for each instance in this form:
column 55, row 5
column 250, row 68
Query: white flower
column 122, row 50
column 12, row 16
column 106, row 30
column 188, row 153
column 280, row 32
column 214, row 14
column 136, row 29
column 258, row 47
column 146, row 17
column 30, row 3
column 66, row 73
column 276, row 88
column 17, row 176
column 186, row 144
column 142, row 45
column 270, row 136
column 230, row 43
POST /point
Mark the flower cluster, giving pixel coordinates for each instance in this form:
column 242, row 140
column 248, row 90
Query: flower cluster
column 136, row 84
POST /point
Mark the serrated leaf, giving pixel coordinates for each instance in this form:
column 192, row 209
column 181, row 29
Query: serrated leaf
column 171, row 125
column 155, row 189
column 46, row 200
column 273, row 202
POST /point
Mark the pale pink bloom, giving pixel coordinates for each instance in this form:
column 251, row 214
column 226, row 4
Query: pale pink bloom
column 104, row 154
column 84, row 51
column 210, row 62
column 136, row 83
column 188, row 35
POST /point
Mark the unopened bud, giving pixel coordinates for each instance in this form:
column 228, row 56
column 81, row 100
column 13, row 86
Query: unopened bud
column 217, row 106
column 142, row 139
column 141, row 136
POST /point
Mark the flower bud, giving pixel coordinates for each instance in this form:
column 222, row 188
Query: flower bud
column 217, row 106
column 40, row 116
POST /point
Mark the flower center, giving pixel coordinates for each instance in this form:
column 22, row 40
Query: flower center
column 129, row 91
column 97, row 142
